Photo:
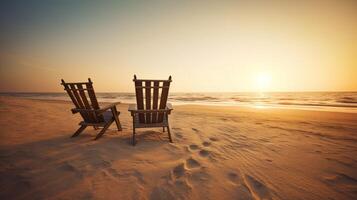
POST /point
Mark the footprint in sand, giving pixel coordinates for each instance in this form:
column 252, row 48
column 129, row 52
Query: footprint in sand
column 213, row 139
column 206, row 144
column 243, row 192
column 192, row 163
column 340, row 178
column 348, row 163
column 177, row 190
column 258, row 188
column 193, row 147
column 199, row 177
column 204, row 153
column 72, row 168
column 161, row 193
column 234, row 177
column 183, row 185
column 68, row 167
column 178, row 134
column 194, row 129
column 126, row 174
column 179, row 170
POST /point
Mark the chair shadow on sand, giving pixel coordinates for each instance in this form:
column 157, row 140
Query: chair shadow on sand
column 42, row 169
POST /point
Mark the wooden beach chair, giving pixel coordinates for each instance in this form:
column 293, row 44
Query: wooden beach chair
column 87, row 106
column 151, row 110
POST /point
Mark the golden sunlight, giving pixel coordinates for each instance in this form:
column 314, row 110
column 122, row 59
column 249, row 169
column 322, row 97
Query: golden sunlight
column 263, row 81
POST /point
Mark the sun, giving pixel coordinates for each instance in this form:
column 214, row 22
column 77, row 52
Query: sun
column 262, row 82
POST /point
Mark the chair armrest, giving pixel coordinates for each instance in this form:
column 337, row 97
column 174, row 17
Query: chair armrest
column 169, row 106
column 76, row 110
column 105, row 108
column 132, row 107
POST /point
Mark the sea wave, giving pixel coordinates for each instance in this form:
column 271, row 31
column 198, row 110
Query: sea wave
column 318, row 105
column 347, row 100
column 205, row 98
column 313, row 100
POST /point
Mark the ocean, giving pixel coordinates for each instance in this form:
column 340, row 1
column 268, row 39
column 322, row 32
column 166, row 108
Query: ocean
column 328, row 101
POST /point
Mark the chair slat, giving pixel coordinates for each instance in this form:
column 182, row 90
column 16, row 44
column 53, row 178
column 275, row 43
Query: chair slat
column 148, row 101
column 83, row 97
column 163, row 100
column 91, row 115
column 70, row 94
column 93, row 99
column 92, row 96
column 139, row 100
column 79, row 101
column 76, row 95
column 155, row 101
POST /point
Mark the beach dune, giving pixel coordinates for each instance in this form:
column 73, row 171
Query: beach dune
column 218, row 153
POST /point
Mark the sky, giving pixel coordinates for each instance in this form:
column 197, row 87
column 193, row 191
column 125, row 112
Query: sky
column 207, row 46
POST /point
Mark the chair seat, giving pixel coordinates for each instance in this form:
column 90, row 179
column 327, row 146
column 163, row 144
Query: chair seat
column 138, row 124
column 107, row 115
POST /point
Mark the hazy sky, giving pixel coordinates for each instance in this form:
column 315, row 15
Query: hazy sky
column 226, row 46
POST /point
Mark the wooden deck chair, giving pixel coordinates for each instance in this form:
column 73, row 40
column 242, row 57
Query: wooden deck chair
column 89, row 109
column 154, row 110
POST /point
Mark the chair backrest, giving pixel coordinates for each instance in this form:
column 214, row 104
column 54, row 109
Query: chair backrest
column 155, row 102
column 83, row 97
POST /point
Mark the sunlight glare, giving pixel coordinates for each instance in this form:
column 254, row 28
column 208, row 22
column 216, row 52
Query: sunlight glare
column 263, row 81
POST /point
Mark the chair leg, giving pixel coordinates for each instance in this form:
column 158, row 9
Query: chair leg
column 117, row 121
column 168, row 128
column 168, row 132
column 133, row 142
column 104, row 129
column 115, row 115
column 163, row 129
column 79, row 130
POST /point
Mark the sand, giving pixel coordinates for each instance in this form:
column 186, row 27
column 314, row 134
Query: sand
column 218, row 153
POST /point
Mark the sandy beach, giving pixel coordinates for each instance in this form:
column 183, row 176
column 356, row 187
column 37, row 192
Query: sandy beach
column 218, row 153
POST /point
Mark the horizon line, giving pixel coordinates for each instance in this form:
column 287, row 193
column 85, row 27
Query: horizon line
column 300, row 91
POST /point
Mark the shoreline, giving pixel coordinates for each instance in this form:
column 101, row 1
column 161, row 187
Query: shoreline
column 331, row 109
